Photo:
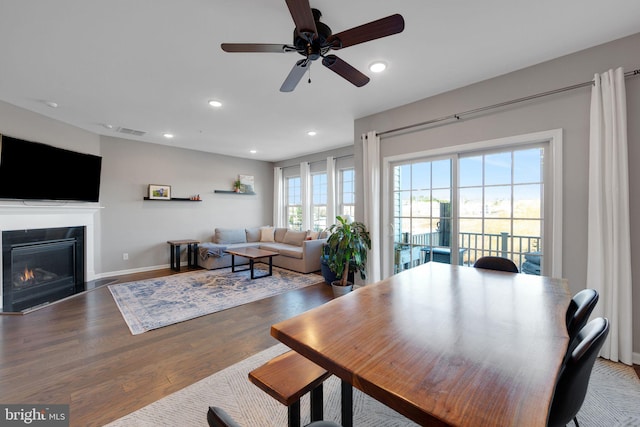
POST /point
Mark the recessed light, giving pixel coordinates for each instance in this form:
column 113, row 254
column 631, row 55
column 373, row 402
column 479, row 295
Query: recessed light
column 52, row 104
column 253, row 151
column 168, row 135
column 107, row 126
column 377, row 67
column 312, row 133
column 214, row 103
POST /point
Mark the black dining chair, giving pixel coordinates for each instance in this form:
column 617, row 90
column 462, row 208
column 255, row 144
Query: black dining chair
column 579, row 310
column 218, row 417
column 496, row 263
column 573, row 381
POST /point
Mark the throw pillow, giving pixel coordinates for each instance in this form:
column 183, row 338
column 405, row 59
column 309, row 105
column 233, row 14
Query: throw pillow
column 253, row 234
column 312, row 235
column 294, row 237
column 228, row 236
column 266, row 234
column 279, row 234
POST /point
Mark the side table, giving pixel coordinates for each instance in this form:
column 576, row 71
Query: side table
column 192, row 252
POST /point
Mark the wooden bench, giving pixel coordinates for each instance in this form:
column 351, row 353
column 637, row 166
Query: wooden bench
column 287, row 378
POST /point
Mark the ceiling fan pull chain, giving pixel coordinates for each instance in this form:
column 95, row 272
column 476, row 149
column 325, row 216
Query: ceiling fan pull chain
column 309, row 81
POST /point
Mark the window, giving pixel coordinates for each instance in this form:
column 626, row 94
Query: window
column 308, row 203
column 294, row 203
column 500, row 205
column 319, row 201
column 501, row 197
column 346, row 195
column 422, row 212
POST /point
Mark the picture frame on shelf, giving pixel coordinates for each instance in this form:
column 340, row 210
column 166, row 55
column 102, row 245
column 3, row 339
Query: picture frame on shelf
column 246, row 183
column 159, row 192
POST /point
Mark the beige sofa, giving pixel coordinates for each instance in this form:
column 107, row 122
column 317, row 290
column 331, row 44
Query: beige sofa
column 298, row 250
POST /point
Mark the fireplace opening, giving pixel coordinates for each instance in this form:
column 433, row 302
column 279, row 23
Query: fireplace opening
column 41, row 266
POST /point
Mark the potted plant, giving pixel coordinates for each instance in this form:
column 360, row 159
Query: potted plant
column 348, row 243
column 237, row 185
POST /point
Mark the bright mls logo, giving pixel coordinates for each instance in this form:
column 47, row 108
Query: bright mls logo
column 34, row 415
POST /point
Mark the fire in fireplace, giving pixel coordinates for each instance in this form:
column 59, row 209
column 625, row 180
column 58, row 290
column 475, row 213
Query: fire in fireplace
column 41, row 266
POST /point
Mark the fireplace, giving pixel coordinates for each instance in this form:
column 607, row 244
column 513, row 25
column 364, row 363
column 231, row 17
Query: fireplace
column 40, row 266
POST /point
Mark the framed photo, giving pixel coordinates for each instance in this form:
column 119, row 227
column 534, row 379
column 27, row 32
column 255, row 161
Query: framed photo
column 159, row 192
column 246, row 183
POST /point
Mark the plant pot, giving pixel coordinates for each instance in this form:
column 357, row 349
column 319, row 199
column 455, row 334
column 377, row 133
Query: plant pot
column 338, row 290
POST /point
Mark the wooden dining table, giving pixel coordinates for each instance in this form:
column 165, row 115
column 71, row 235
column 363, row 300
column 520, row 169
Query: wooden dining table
column 444, row 344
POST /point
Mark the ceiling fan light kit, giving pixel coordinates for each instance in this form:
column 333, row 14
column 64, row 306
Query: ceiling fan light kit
column 313, row 40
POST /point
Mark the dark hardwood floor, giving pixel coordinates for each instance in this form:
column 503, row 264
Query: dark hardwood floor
column 80, row 351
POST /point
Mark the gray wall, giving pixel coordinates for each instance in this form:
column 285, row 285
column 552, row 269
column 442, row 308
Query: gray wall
column 569, row 111
column 141, row 228
column 318, row 158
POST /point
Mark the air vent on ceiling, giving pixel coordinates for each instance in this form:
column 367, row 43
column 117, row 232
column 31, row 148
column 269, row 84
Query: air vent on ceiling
column 131, row 131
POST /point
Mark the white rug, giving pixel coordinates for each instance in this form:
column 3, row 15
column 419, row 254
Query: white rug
column 154, row 303
column 613, row 400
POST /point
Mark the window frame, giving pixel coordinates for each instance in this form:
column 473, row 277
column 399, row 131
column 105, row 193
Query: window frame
column 341, row 193
column 313, row 205
column 288, row 206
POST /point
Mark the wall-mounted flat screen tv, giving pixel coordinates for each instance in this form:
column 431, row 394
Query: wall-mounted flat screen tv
column 36, row 171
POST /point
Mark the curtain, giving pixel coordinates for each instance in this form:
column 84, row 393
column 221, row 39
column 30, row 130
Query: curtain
column 609, row 246
column 305, row 194
column 332, row 194
column 371, row 180
column 278, row 198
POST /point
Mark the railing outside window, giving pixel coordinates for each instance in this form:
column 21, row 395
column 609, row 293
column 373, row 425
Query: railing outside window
column 472, row 246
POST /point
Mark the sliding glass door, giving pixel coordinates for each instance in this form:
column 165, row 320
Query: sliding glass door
column 486, row 200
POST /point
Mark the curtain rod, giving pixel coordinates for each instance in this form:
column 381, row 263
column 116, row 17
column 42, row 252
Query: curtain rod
column 317, row 161
column 458, row 116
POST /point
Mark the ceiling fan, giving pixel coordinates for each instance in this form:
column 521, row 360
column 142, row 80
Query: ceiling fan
column 313, row 39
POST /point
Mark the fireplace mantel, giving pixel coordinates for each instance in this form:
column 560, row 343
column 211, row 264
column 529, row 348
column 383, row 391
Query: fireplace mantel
column 40, row 215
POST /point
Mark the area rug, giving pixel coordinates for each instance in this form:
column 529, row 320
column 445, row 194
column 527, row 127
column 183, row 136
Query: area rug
column 154, row 303
column 612, row 401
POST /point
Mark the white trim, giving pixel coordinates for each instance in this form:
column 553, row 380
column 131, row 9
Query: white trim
column 553, row 137
column 22, row 217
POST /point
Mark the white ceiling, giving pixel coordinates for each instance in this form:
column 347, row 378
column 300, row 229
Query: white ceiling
column 152, row 65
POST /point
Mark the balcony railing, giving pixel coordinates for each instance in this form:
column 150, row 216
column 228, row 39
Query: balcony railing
column 474, row 245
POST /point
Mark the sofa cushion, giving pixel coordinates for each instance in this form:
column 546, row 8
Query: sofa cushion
column 280, row 233
column 292, row 252
column 253, row 234
column 266, row 234
column 226, row 236
column 312, row 235
column 294, row 237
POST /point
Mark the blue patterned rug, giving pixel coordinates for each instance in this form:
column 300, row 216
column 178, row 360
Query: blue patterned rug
column 154, row 303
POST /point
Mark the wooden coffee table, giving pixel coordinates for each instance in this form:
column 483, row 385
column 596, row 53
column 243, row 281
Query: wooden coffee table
column 252, row 254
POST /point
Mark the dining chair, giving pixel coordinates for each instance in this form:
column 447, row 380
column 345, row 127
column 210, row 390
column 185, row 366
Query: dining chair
column 579, row 310
column 218, row 417
column 496, row 263
column 573, row 381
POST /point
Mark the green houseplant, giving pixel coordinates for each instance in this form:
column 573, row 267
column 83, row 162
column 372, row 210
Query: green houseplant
column 348, row 244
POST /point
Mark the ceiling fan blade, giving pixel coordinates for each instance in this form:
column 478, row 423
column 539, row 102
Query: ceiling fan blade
column 303, row 18
column 383, row 27
column 295, row 75
column 256, row 47
column 345, row 70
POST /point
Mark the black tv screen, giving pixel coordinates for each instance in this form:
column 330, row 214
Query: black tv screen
column 35, row 171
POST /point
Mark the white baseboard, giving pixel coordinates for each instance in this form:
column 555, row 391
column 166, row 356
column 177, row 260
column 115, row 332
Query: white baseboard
column 635, row 358
column 134, row 270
